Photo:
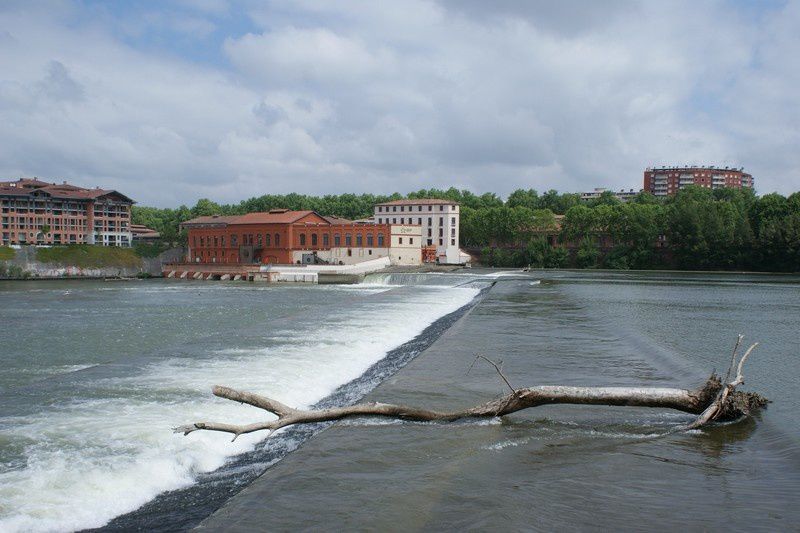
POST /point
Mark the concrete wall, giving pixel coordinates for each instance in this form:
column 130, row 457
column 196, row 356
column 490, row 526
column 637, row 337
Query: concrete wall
column 336, row 255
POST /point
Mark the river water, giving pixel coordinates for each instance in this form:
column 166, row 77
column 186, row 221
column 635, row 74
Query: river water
column 94, row 374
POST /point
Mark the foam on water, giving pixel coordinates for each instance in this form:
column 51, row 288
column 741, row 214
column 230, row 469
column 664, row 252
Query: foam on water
column 93, row 459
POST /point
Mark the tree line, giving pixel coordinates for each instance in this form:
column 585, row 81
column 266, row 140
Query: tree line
column 697, row 229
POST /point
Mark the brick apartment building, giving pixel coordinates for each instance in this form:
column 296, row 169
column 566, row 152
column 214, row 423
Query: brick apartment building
column 667, row 181
column 288, row 237
column 71, row 214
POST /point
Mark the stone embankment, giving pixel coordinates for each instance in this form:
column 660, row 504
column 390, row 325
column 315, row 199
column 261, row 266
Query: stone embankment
column 28, row 263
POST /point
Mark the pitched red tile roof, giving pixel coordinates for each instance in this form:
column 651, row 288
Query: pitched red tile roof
column 276, row 216
column 28, row 186
column 420, row 201
column 337, row 220
column 211, row 219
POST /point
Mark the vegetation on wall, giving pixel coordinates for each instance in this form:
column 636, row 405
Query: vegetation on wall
column 89, row 256
column 6, row 253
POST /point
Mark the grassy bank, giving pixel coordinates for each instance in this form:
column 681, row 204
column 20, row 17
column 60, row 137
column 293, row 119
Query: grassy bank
column 6, row 253
column 88, row 256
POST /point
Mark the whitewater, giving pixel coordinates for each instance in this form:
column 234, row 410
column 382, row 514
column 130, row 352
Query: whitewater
column 86, row 417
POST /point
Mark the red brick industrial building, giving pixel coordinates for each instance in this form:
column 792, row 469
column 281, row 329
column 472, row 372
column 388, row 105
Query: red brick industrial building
column 37, row 212
column 667, row 181
column 277, row 237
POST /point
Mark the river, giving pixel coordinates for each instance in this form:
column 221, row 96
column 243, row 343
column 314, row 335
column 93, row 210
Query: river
column 94, row 374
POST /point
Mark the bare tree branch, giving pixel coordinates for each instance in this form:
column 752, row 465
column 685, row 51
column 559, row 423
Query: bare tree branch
column 716, row 399
column 497, row 367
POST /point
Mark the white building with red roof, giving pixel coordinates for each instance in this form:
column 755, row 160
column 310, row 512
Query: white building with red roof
column 438, row 220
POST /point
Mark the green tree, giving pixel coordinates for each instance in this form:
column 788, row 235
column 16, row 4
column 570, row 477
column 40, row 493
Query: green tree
column 588, row 253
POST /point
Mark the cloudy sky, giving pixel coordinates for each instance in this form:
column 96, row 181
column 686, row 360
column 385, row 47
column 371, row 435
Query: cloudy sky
column 171, row 101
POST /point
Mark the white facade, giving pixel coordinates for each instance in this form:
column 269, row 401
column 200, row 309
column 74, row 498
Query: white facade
column 438, row 220
column 622, row 195
column 405, row 245
column 343, row 256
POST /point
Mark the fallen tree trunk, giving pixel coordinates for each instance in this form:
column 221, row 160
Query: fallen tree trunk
column 715, row 400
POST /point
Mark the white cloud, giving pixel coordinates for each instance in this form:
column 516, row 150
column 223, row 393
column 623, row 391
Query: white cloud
column 366, row 96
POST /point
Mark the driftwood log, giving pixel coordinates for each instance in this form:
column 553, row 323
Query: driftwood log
column 716, row 399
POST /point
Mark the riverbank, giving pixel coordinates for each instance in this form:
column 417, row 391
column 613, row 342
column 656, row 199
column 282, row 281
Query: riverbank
column 81, row 262
column 552, row 468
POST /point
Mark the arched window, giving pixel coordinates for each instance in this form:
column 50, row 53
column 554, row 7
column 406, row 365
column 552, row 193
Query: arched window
column 266, row 241
column 313, row 239
column 380, row 240
column 302, row 239
column 277, row 239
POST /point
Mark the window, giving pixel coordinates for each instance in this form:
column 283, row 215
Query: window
column 419, row 208
column 250, row 239
column 359, row 240
column 302, row 239
column 380, row 209
column 394, row 221
column 441, row 242
column 313, row 239
column 453, row 242
column 430, row 242
column 202, row 241
column 277, row 239
column 326, row 240
column 419, row 221
column 394, row 208
column 380, row 221
column 380, row 240
column 452, row 232
column 348, row 239
column 222, row 241
column 453, row 220
column 400, row 240
column 441, row 232
column 266, row 240
column 337, row 240
column 430, row 208
column 402, row 221
column 402, row 208
column 411, row 240
column 259, row 240
column 194, row 241
column 370, row 240
column 430, row 221
column 441, row 221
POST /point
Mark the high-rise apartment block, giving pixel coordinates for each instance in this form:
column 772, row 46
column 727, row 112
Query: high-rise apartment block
column 667, row 181
column 37, row 212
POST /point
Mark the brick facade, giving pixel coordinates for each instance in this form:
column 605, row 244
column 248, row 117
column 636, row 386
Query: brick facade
column 73, row 215
column 667, row 181
column 275, row 237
